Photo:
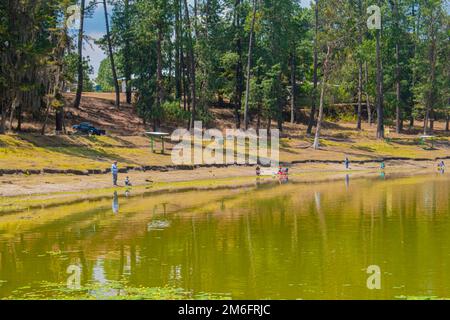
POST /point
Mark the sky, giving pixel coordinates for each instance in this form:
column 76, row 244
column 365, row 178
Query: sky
column 95, row 28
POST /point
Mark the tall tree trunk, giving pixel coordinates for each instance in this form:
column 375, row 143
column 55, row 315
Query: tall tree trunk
column 369, row 108
column 359, row 120
column 183, row 65
column 431, row 94
column 177, row 51
column 47, row 112
column 360, row 72
column 126, row 62
column 59, row 112
column 398, row 115
column 316, row 144
column 326, row 70
column 191, row 66
column 184, row 81
column 80, row 57
column 294, row 88
column 12, row 111
column 159, row 74
column 249, row 64
column 416, row 21
column 312, row 116
column 58, row 86
column 447, row 121
column 280, row 106
column 426, row 119
column 3, row 115
column 111, row 56
column 19, row 118
column 379, row 98
column 239, row 69
column 3, row 121
column 433, row 118
column 59, row 117
column 204, row 99
column 258, row 119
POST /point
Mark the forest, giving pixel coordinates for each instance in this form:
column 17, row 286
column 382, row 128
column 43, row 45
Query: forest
column 270, row 61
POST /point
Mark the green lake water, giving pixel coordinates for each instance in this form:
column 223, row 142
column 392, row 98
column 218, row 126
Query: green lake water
column 292, row 241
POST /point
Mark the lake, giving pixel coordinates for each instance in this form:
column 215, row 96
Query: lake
column 290, row 241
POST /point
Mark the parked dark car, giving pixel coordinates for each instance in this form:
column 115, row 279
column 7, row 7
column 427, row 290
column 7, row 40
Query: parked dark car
column 88, row 128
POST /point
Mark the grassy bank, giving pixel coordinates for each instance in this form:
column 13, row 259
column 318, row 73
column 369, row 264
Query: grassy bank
column 66, row 162
column 34, row 153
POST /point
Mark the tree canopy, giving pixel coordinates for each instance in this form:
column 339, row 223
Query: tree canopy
column 270, row 61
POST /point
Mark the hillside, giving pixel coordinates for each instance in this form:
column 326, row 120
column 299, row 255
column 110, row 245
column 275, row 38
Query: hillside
column 99, row 109
column 126, row 142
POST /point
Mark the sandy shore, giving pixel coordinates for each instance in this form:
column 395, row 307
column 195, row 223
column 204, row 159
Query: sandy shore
column 22, row 185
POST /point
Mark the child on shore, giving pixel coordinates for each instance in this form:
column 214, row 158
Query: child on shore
column 441, row 166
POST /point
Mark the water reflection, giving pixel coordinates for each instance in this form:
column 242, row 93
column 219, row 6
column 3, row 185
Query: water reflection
column 287, row 242
column 115, row 203
column 283, row 178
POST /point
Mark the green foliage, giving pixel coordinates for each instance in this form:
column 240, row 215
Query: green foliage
column 173, row 112
column 70, row 72
column 112, row 290
column 152, row 41
column 270, row 87
column 105, row 77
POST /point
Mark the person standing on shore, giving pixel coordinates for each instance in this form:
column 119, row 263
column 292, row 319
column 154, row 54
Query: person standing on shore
column 347, row 163
column 115, row 173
